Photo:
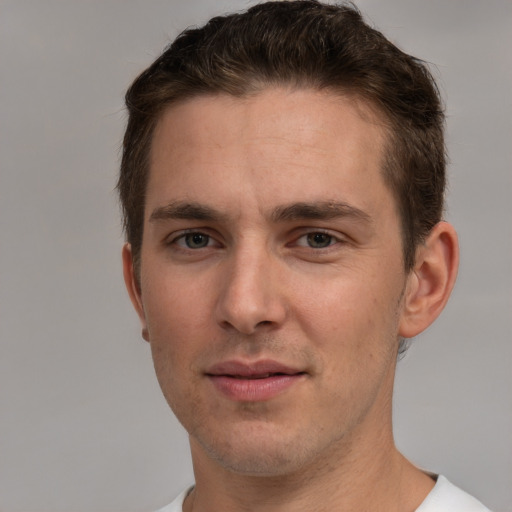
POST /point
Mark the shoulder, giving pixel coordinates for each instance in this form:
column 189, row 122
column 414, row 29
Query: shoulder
column 446, row 497
column 177, row 504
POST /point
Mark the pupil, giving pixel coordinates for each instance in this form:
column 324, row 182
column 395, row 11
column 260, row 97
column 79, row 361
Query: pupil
column 196, row 240
column 319, row 240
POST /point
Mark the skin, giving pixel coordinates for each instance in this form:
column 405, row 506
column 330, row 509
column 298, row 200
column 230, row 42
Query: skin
column 269, row 234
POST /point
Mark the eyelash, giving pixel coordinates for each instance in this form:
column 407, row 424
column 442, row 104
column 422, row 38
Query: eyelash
column 182, row 237
column 181, row 240
column 331, row 240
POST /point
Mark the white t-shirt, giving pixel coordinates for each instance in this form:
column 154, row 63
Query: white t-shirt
column 444, row 497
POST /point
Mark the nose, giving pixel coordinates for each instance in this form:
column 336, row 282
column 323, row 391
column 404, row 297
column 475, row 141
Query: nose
column 249, row 299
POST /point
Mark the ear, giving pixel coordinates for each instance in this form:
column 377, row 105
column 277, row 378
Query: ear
column 431, row 281
column 133, row 287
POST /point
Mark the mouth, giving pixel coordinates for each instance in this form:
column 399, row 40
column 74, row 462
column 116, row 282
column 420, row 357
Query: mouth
column 261, row 376
column 253, row 382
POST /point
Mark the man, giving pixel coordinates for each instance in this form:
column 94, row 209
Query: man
column 282, row 183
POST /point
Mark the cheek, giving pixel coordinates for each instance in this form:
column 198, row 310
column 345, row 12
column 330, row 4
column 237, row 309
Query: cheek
column 340, row 310
column 173, row 335
column 351, row 322
column 173, row 317
column 174, row 306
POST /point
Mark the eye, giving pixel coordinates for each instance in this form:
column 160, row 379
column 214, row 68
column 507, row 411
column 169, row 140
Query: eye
column 193, row 240
column 317, row 240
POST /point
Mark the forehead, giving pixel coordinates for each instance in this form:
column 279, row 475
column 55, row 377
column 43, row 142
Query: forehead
column 277, row 145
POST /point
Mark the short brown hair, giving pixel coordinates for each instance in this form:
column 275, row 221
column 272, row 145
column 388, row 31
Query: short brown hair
column 304, row 44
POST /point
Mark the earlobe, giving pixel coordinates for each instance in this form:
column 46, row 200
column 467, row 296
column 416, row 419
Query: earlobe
column 133, row 287
column 431, row 281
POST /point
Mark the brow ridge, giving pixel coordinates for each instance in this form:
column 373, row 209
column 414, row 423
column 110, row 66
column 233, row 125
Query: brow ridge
column 185, row 210
column 322, row 210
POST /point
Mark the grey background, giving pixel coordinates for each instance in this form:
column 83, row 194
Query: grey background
column 83, row 426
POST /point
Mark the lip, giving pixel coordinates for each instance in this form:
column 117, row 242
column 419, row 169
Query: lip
column 253, row 382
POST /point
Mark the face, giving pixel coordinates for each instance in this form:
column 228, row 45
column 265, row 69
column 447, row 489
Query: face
column 272, row 277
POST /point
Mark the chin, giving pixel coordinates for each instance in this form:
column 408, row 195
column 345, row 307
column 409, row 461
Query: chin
column 257, row 461
column 260, row 451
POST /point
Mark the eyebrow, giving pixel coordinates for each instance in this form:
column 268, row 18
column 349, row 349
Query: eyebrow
column 323, row 210
column 186, row 210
